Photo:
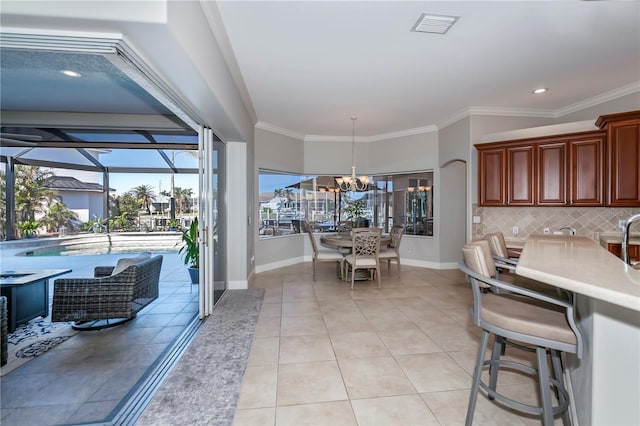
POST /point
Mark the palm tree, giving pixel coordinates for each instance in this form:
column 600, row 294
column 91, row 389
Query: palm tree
column 58, row 216
column 144, row 195
column 182, row 196
column 31, row 191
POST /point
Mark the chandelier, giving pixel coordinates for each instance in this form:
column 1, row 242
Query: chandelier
column 353, row 183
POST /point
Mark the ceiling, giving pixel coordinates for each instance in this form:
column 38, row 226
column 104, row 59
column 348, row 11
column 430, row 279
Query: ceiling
column 309, row 66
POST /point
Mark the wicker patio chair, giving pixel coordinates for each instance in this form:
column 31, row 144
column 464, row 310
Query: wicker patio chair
column 4, row 330
column 106, row 300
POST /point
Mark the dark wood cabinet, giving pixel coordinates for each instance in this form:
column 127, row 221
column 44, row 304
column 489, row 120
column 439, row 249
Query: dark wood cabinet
column 586, row 178
column 565, row 170
column 634, row 251
column 623, row 153
column 491, row 169
column 552, row 173
column 586, row 169
column 520, row 176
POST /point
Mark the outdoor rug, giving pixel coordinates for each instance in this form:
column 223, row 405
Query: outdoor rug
column 33, row 339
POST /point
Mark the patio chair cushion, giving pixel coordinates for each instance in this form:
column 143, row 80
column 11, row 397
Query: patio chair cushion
column 125, row 262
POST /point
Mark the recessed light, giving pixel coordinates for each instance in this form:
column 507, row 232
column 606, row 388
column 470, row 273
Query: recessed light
column 541, row 90
column 70, row 73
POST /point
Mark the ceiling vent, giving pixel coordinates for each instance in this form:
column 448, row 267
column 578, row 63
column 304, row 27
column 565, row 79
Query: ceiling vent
column 435, row 24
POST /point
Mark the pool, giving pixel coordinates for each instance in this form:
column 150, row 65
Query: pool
column 108, row 244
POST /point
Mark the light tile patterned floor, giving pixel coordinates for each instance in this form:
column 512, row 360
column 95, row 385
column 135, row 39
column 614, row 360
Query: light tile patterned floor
column 84, row 379
column 401, row 355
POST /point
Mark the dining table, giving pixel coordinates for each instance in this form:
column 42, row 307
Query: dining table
column 343, row 243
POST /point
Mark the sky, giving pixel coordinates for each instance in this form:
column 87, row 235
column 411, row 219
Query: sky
column 123, row 182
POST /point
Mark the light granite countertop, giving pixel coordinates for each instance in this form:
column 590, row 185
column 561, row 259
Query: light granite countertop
column 616, row 238
column 580, row 265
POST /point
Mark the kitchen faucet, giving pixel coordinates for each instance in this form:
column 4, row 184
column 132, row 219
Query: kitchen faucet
column 625, row 237
column 571, row 230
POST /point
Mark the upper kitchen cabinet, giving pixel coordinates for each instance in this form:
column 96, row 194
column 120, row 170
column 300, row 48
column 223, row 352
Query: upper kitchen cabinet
column 563, row 170
column 552, row 173
column 623, row 157
column 506, row 176
column 586, row 155
column 492, row 173
column 520, row 175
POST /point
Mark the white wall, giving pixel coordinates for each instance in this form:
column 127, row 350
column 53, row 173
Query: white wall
column 453, row 145
column 237, row 220
column 277, row 152
column 402, row 154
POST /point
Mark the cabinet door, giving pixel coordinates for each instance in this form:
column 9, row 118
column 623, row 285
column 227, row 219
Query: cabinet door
column 520, row 181
column 551, row 160
column 491, row 170
column 624, row 164
column 586, row 157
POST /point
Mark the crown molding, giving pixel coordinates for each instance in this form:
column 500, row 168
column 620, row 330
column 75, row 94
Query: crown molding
column 511, row 112
column 598, row 99
column 505, row 112
column 279, row 130
column 340, row 139
column 401, row 133
column 464, row 113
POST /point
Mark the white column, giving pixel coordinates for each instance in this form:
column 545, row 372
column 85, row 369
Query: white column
column 238, row 221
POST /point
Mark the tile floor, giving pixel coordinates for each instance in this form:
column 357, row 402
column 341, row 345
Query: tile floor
column 401, row 355
column 86, row 378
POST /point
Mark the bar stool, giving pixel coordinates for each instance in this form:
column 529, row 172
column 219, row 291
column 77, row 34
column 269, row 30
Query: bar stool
column 539, row 321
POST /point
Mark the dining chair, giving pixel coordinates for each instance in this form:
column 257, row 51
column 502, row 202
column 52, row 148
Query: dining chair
column 364, row 252
column 523, row 319
column 392, row 251
column 322, row 255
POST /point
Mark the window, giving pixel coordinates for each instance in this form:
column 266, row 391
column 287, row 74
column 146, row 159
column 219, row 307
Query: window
column 286, row 200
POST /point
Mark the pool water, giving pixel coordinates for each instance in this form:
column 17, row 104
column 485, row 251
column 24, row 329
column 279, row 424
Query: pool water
column 93, row 249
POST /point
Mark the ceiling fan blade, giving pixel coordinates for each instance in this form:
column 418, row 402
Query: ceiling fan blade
column 15, row 142
column 21, row 137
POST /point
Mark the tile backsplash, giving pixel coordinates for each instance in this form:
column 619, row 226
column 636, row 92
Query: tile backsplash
column 587, row 221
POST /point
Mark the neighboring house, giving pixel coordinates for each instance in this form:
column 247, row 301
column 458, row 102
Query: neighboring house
column 84, row 198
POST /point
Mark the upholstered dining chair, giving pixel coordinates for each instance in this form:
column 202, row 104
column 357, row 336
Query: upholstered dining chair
column 392, row 251
column 364, row 252
column 520, row 318
column 322, row 255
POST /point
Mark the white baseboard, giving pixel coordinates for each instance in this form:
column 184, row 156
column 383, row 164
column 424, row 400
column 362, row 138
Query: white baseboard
column 280, row 264
column 429, row 264
column 238, row 285
column 408, row 262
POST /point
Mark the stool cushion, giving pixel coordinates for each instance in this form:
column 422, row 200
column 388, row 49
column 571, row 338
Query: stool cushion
column 521, row 317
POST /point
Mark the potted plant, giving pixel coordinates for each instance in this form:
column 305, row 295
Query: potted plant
column 191, row 250
column 173, row 224
column 355, row 213
column 28, row 228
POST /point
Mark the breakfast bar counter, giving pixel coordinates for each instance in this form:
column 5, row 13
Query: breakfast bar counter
column 580, row 265
column 605, row 382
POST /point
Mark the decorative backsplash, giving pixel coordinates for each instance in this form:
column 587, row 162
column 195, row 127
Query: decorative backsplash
column 587, row 221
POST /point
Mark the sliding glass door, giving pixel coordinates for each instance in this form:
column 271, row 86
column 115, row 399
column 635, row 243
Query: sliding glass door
column 213, row 274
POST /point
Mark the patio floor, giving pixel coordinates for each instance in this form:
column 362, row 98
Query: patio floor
column 86, row 378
